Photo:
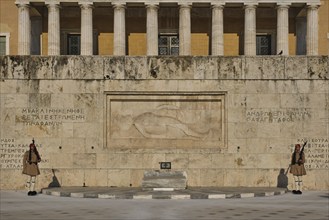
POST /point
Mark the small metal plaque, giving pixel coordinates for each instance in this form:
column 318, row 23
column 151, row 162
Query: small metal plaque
column 165, row 165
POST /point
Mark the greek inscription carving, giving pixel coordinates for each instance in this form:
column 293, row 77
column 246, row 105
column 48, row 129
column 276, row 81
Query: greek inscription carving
column 11, row 154
column 49, row 116
column 278, row 115
column 317, row 153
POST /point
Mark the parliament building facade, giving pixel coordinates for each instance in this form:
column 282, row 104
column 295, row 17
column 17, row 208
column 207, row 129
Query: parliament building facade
column 221, row 90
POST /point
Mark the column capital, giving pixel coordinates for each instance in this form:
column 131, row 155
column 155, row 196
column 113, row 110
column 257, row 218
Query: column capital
column 151, row 5
column 283, row 5
column 118, row 5
column 250, row 5
column 312, row 6
column 185, row 5
column 219, row 5
column 53, row 5
column 150, row 2
column 52, row 2
column 22, row 3
column 85, row 4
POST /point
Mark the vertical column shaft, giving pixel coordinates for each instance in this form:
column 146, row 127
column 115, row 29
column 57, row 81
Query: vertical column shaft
column 119, row 38
column 217, row 37
column 312, row 30
column 250, row 30
column 24, row 30
column 152, row 30
column 282, row 29
column 185, row 30
column 53, row 29
column 86, row 29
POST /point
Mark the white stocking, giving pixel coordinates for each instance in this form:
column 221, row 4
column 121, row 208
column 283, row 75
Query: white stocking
column 28, row 183
column 298, row 182
column 32, row 186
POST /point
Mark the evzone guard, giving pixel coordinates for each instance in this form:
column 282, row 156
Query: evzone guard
column 31, row 159
column 297, row 168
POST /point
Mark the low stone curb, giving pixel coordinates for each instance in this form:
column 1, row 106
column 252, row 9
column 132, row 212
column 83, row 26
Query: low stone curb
column 140, row 195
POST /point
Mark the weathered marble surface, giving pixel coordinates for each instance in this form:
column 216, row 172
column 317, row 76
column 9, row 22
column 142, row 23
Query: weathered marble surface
column 267, row 104
column 160, row 67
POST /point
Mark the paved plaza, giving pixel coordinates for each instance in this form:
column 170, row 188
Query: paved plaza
column 310, row 205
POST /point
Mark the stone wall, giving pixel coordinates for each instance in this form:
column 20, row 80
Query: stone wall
column 103, row 121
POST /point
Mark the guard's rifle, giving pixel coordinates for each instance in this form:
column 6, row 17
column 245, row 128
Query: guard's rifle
column 36, row 151
column 288, row 168
column 301, row 153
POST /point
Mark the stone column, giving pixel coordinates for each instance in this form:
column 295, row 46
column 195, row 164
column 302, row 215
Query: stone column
column 185, row 30
column 53, row 29
column 217, row 36
column 119, row 38
column 24, row 29
column 152, row 30
column 250, row 30
column 86, row 28
column 282, row 29
column 312, row 30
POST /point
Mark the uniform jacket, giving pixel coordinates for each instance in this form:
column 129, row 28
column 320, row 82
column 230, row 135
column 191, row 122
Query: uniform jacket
column 297, row 169
column 30, row 167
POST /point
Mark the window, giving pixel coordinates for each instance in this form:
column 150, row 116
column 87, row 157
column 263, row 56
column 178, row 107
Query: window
column 263, row 45
column 168, row 44
column 4, row 44
column 73, row 44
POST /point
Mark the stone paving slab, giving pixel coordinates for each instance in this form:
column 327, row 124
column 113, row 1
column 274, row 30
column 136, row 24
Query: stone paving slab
column 140, row 193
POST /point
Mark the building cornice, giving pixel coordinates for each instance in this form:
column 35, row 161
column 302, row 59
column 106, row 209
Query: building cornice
column 256, row 2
